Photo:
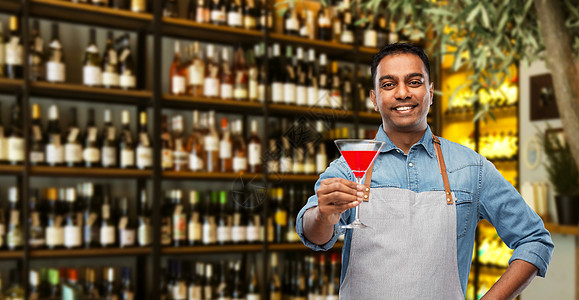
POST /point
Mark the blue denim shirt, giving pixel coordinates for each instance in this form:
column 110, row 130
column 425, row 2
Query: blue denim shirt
column 481, row 193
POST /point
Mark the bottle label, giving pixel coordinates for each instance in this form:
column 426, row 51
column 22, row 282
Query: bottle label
column 194, row 231
column 217, row 16
column 301, row 95
column 15, row 149
column 167, row 159
column 261, row 92
column 254, row 154
column 211, row 143
column 110, row 79
column 336, row 99
column 234, row 19
column 127, row 158
column 180, row 158
column 393, row 37
column 127, row 237
column 91, row 155
column 55, row 71
column 72, row 236
column 347, row 37
column 36, row 157
column 209, row 232
column 370, row 38
column 13, row 51
column 14, row 238
column 196, row 73
column 312, row 96
column 289, row 93
column 4, row 145
column 109, row 156
column 144, row 157
column 107, row 235
column 253, row 297
column 273, row 166
column 54, row 236
column 211, row 87
column 239, row 164
column 321, row 162
column 178, row 85
column 179, row 224
column 253, row 87
column 179, row 291
column 128, row 81
column 195, row 162
column 223, row 234
column 226, row 91
column 253, row 233
column 240, row 92
column 91, row 75
column 54, row 153
column 277, row 93
column 238, row 234
column 298, row 167
column 195, row 292
column 144, row 234
column 285, row 164
column 292, row 24
column 324, row 97
column 225, row 149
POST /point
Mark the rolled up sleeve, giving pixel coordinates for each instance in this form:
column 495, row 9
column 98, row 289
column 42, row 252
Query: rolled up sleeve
column 516, row 223
column 337, row 169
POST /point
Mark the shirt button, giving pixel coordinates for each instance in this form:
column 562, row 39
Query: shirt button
column 410, row 164
column 398, row 151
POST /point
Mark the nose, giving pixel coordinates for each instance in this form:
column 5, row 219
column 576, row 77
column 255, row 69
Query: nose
column 402, row 92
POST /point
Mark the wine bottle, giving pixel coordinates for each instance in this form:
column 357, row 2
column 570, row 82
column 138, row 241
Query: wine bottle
column 312, row 79
column 347, row 36
column 280, row 217
column 107, row 236
column 15, row 140
column 72, row 221
column 3, row 140
column 336, row 85
column 238, row 222
column 127, row 71
column 36, row 63
column 126, row 146
column 223, row 220
column 179, row 219
column 235, row 13
column 91, row 70
column 144, row 151
column 202, row 12
column 14, row 231
column 2, row 52
column 126, row 290
column 139, row 6
column 265, row 17
column 13, row 51
column 36, row 238
column 321, row 155
column 263, row 89
column 225, row 148
column 226, row 84
column 371, row 33
column 209, row 284
column 54, row 230
column 91, row 155
column 254, row 150
column 274, row 287
column 178, row 289
column 196, row 72
column 240, row 76
column 291, row 21
column 110, row 64
column 301, row 74
column 171, row 9
column 195, row 145
column 276, row 73
column 393, row 36
column 250, row 15
column 91, row 216
column 54, row 290
column 73, row 152
column 223, row 288
column 166, row 220
column 382, row 30
column 273, row 155
column 54, row 145
column 36, row 137
column 253, row 288
column 324, row 82
column 109, row 287
column 252, row 77
column 166, row 146
column 254, row 222
column 34, row 289
column 324, row 25
column 15, row 291
column 337, row 17
column 306, row 21
column 176, row 73
column 334, row 281
column 126, row 226
column 180, row 155
column 309, row 158
column 109, row 142
column 293, row 206
column 217, row 11
column 289, row 86
column 209, row 226
column 192, row 10
column 144, row 230
column 347, row 96
column 239, row 149
column 194, row 219
column 237, row 282
column 211, row 145
column 91, row 291
column 195, row 287
column 286, row 163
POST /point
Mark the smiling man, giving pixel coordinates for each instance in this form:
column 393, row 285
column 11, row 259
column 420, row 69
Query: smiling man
column 425, row 197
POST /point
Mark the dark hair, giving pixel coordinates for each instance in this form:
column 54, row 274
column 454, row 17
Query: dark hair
column 399, row 48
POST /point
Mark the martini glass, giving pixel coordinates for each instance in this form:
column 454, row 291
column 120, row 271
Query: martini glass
column 359, row 154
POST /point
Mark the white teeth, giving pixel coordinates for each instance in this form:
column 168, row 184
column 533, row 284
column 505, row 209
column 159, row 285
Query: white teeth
column 403, row 108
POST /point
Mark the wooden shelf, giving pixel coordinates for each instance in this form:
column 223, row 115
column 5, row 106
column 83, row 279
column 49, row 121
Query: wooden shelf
column 211, row 249
column 297, row 247
column 89, row 172
column 312, row 112
column 90, row 14
column 172, row 101
column 9, row 6
column 6, row 254
column 81, row 92
column 63, row 253
column 188, row 29
column 332, row 49
column 11, row 170
column 562, row 229
column 292, row 178
column 210, row 176
column 11, row 85
column 366, row 54
column 370, row 117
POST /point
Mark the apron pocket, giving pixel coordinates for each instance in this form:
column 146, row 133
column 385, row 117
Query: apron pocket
column 463, row 211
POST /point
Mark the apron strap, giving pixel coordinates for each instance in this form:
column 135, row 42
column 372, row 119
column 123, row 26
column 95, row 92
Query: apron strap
column 441, row 167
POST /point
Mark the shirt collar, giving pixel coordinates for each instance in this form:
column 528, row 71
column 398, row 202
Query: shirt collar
column 425, row 141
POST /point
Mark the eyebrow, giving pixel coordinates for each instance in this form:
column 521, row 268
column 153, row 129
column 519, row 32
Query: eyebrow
column 406, row 77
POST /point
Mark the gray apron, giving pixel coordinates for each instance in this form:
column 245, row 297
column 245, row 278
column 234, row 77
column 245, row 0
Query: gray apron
column 410, row 250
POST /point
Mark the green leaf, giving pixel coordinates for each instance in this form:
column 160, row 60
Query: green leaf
column 474, row 13
column 438, row 12
column 485, row 17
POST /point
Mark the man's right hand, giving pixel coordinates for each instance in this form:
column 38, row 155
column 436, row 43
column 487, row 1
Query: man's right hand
column 335, row 196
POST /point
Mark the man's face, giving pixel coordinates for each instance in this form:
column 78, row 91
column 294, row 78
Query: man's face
column 402, row 93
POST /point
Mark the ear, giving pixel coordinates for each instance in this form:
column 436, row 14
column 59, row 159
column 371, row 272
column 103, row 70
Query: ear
column 373, row 98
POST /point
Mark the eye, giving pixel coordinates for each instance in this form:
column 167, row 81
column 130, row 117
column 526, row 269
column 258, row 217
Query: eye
column 387, row 85
column 415, row 83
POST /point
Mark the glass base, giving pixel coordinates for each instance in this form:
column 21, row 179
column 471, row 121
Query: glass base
column 355, row 224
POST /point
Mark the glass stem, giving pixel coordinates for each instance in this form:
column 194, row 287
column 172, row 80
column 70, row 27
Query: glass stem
column 356, row 210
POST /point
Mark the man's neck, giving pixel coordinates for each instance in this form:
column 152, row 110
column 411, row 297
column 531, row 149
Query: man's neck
column 404, row 140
